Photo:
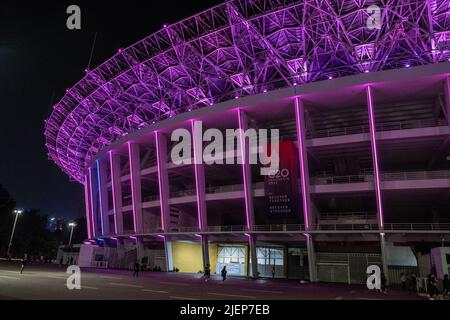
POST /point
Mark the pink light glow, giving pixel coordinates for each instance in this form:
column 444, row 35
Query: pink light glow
column 244, row 171
column 92, row 203
column 197, row 187
column 161, row 198
column 375, row 155
column 303, row 172
column 88, row 205
column 111, row 162
column 133, row 192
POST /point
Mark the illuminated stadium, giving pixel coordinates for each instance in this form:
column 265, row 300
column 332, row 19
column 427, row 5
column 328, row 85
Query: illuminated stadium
column 364, row 119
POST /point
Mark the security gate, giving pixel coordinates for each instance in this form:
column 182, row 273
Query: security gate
column 348, row 268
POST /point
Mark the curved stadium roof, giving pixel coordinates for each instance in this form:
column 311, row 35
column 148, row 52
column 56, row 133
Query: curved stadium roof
column 239, row 48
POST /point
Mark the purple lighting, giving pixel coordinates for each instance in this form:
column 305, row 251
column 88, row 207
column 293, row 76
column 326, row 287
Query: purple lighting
column 158, row 160
column 100, row 200
column 375, row 156
column 133, row 192
column 196, row 171
column 302, row 159
column 245, row 174
column 266, row 63
column 113, row 182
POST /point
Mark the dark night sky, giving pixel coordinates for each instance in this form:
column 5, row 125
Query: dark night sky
column 39, row 58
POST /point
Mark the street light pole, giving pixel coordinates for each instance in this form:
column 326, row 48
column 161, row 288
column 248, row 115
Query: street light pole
column 72, row 225
column 17, row 212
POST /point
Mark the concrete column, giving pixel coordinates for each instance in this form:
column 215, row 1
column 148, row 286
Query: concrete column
column 205, row 250
column 447, row 98
column 120, row 253
column 246, row 171
column 248, row 189
column 93, row 202
column 375, row 159
column 135, row 171
column 305, row 195
column 311, row 258
column 87, row 200
column 384, row 257
column 253, row 256
column 114, row 162
column 199, row 168
column 163, row 180
column 169, row 253
column 139, row 249
column 103, row 195
column 377, row 177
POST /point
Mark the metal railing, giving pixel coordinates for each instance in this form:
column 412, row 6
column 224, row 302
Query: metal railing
column 415, row 175
column 223, row 189
column 361, row 178
column 183, row 193
column 348, row 216
column 286, row 228
column 410, row 124
column 279, row 228
column 417, row 227
column 381, row 127
column 227, row 229
column 335, row 132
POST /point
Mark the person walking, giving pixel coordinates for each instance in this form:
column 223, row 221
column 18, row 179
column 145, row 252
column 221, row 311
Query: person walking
column 136, row 268
column 224, row 273
column 24, row 263
column 273, row 272
column 207, row 272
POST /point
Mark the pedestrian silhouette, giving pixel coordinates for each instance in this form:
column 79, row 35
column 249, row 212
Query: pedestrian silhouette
column 136, row 269
column 24, row 263
column 224, row 273
column 207, row 273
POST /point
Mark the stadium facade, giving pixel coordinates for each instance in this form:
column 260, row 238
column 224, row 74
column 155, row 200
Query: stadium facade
column 363, row 113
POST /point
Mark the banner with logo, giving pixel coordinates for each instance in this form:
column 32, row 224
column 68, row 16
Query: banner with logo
column 282, row 188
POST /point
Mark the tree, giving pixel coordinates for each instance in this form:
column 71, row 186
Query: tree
column 7, row 206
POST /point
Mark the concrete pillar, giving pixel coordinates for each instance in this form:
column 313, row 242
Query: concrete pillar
column 139, row 249
column 205, row 250
column 87, row 200
column 246, row 171
column 248, row 190
column 253, row 256
column 377, row 177
column 103, row 196
column 447, row 98
column 120, row 253
column 375, row 159
column 384, row 261
column 197, row 139
column 135, row 171
column 114, row 161
column 169, row 254
column 311, row 258
column 93, row 202
column 305, row 195
column 163, row 180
